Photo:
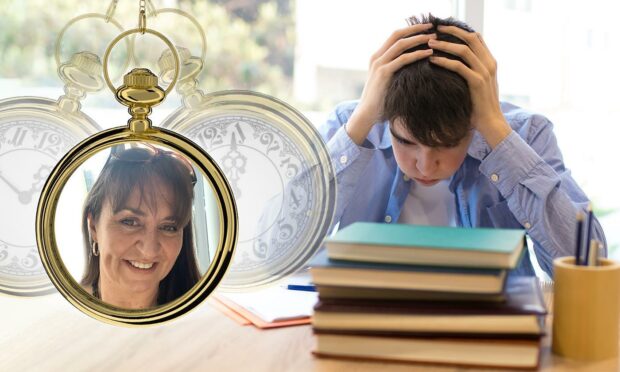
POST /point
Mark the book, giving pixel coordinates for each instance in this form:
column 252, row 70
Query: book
column 427, row 245
column 523, row 312
column 228, row 311
column 479, row 352
column 333, row 291
column 325, row 271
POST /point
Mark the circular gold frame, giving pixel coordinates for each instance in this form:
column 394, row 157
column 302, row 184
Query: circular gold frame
column 157, row 34
column 63, row 280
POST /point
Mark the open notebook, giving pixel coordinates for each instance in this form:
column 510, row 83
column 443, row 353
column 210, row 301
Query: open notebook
column 271, row 307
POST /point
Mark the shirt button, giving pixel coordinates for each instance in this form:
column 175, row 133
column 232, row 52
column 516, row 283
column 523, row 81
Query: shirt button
column 343, row 159
column 406, row 178
column 527, row 225
column 388, row 218
column 494, row 177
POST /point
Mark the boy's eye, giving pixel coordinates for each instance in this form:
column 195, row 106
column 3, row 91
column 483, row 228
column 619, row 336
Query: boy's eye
column 405, row 142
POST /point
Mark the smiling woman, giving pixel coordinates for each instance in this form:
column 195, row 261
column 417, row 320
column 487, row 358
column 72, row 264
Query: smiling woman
column 137, row 229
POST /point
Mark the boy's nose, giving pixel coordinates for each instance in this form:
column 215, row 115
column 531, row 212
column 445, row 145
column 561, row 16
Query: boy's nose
column 427, row 164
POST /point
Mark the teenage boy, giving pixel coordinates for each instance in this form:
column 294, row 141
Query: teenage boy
column 429, row 142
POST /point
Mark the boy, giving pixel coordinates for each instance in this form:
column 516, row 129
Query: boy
column 430, row 143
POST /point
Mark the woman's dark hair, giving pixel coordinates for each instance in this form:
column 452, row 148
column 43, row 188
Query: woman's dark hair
column 122, row 175
column 433, row 103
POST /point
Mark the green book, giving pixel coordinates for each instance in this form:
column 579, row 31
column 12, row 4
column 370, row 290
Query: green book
column 427, row 245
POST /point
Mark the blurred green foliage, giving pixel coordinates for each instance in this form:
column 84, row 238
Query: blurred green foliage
column 250, row 43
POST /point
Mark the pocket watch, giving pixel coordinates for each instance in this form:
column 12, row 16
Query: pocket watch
column 139, row 253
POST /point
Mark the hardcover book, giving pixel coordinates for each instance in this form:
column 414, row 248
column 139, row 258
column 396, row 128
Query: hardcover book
column 523, row 312
column 427, row 245
column 332, row 291
column 507, row 353
column 325, row 271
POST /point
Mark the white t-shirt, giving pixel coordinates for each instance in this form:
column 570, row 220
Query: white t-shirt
column 429, row 205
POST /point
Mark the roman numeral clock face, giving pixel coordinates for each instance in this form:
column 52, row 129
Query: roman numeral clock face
column 280, row 173
column 259, row 161
column 31, row 143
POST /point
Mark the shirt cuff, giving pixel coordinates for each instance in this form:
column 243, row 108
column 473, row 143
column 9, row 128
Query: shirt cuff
column 509, row 163
column 343, row 151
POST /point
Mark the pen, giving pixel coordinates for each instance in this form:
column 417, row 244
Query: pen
column 579, row 238
column 588, row 233
column 300, row 287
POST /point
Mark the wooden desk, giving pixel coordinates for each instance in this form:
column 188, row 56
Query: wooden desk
column 48, row 334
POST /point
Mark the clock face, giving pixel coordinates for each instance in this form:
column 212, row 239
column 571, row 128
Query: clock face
column 30, row 145
column 275, row 163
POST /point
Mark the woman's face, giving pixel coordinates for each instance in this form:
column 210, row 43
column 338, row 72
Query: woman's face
column 138, row 245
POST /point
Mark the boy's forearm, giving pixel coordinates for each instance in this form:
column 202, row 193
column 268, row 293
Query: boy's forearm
column 494, row 132
column 358, row 126
column 543, row 198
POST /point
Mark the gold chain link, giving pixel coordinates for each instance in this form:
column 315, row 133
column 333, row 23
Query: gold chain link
column 151, row 11
column 111, row 9
column 148, row 6
column 142, row 17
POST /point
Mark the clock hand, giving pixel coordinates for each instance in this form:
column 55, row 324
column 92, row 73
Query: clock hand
column 26, row 196
column 42, row 174
column 13, row 187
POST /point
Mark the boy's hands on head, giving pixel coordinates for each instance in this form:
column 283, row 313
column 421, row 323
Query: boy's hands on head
column 383, row 64
column 481, row 77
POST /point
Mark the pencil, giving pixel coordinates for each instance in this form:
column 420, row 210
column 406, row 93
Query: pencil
column 594, row 246
column 588, row 233
column 579, row 238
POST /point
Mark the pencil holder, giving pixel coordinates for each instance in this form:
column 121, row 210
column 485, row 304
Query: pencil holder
column 586, row 309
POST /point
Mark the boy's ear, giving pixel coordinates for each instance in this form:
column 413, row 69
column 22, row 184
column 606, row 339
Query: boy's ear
column 91, row 227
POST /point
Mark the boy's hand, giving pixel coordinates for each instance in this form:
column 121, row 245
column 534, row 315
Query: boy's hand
column 383, row 64
column 481, row 78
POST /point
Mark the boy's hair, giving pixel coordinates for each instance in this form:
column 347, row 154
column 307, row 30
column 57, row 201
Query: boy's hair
column 433, row 103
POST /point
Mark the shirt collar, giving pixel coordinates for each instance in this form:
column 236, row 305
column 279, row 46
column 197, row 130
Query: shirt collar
column 385, row 142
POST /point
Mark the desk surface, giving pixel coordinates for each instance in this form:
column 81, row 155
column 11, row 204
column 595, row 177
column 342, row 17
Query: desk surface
column 49, row 334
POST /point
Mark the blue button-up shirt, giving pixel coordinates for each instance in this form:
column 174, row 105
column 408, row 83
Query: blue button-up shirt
column 522, row 183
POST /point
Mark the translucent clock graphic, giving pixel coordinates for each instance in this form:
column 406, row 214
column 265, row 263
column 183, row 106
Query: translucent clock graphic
column 35, row 132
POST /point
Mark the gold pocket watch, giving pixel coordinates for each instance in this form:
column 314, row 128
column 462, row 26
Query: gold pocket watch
column 147, row 254
column 276, row 162
column 34, row 133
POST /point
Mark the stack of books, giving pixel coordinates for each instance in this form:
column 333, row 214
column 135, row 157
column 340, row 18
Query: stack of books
column 427, row 294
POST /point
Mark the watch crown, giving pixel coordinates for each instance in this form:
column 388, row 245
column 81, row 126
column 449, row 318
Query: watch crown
column 87, row 62
column 140, row 78
column 166, row 61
